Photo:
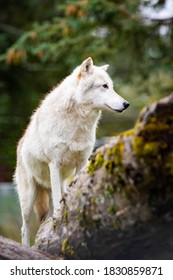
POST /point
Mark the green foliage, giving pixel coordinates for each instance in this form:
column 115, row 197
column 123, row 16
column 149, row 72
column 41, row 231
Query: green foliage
column 106, row 30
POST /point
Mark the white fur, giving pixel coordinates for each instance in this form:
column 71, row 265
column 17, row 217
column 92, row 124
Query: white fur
column 61, row 135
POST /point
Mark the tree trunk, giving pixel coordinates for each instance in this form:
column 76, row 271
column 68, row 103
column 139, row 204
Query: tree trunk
column 11, row 250
column 121, row 206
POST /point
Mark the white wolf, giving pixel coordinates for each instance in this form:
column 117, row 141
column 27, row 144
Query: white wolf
column 60, row 139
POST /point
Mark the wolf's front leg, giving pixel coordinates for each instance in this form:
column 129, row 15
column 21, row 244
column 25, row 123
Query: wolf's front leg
column 56, row 185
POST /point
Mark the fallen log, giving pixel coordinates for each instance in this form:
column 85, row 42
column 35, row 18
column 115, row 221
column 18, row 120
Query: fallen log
column 11, row 250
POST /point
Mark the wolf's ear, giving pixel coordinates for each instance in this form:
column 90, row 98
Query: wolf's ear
column 87, row 65
column 105, row 67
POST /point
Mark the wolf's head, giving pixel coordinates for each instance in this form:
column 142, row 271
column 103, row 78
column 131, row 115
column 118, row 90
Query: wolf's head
column 95, row 87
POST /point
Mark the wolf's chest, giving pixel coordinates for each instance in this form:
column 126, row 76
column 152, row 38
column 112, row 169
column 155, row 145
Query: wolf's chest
column 74, row 154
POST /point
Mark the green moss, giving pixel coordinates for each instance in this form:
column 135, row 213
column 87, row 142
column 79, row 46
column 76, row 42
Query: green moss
column 168, row 168
column 110, row 189
column 64, row 245
column 117, row 224
column 154, row 129
column 138, row 144
column 78, row 193
column 65, row 214
column 93, row 200
column 84, row 218
column 112, row 209
column 64, row 217
column 154, row 126
column 112, row 162
column 95, row 163
column 119, row 149
column 153, row 137
column 67, row 249
column 143, row 148
column 81, row 217
column 127, row 133
column 151, row 148
column 113, row 157
column 56, row 224
column 109, row 165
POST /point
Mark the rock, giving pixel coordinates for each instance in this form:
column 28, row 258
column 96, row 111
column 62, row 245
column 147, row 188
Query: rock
column 121, row 206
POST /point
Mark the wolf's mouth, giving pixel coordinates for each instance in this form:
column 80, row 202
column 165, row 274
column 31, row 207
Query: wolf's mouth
column 119, row 111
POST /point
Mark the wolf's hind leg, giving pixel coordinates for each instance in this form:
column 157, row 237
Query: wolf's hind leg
column 27, row 198
column 50, row 211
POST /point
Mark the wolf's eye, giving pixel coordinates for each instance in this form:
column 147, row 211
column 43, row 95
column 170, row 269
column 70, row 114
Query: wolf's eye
column 105, row 86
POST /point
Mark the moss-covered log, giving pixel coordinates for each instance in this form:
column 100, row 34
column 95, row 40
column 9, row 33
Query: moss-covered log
column 121, row 206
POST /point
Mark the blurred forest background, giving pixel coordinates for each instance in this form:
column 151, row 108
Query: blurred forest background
column 41, row 42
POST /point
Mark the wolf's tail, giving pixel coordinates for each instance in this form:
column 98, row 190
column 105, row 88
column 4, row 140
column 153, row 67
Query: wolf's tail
column 41, row 206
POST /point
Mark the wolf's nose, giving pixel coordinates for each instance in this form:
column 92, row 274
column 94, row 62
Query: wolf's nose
column 126, row 104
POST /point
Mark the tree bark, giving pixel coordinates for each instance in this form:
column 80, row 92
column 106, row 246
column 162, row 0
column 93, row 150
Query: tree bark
column 121, row 206
column 11, row 250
